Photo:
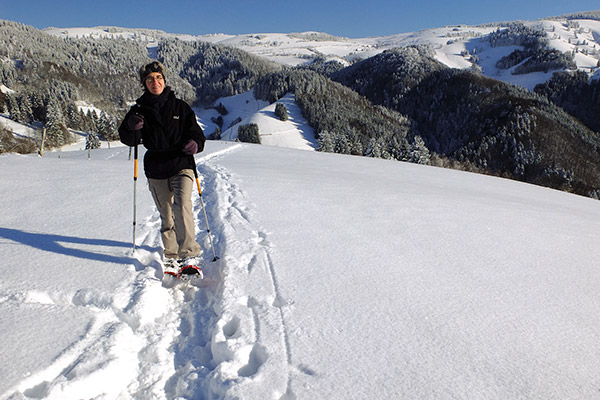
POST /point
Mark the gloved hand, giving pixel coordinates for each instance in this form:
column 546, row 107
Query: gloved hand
column 190, row 148
column 135, row 122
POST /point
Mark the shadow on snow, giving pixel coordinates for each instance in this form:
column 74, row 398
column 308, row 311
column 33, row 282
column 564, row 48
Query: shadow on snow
column 56, row 244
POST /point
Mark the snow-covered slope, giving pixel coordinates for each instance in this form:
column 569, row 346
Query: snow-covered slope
column 339, row 277
column 293, row 133
column 19, row 129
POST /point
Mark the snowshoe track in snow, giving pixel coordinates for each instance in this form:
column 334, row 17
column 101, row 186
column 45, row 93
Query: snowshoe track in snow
column 227, row 331
column 250, row 312
column 218, row 338
column 126, row 343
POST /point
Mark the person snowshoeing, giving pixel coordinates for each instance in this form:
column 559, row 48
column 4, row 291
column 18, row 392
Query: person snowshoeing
column 167, row 127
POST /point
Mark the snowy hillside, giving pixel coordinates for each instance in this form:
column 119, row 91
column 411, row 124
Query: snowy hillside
column 455, row 46
column 339, row 277
column 20, row 129
column 245, row 109
column 293, row 133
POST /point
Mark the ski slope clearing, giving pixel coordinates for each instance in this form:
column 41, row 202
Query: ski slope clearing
column 293, row 133
column 339, row 277
column 244, row 109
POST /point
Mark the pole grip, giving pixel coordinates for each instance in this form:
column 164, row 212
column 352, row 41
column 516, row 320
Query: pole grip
column 135, row 163
column 198, row 184
column 197, row 179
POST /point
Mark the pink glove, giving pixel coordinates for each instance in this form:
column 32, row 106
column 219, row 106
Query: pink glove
column 135, row 122
column 190, row 148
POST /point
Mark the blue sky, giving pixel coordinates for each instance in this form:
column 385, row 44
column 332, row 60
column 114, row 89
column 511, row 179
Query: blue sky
column 350, row 18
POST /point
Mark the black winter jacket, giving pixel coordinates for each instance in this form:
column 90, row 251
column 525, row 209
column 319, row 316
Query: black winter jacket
column 169, row 124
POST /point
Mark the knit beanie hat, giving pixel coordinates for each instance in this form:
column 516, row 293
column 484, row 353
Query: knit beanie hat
column 147, row 69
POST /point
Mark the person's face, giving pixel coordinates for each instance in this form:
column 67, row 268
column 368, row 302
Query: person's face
column 155, row 83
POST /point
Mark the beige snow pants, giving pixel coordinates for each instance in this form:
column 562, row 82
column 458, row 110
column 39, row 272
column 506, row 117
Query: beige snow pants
column 173, row 198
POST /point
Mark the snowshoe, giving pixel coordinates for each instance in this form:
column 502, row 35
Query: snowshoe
column 190, row 272
column 171, row 267
column 189, row 269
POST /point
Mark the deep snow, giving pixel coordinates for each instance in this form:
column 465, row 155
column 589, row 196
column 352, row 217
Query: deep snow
column 340, row 278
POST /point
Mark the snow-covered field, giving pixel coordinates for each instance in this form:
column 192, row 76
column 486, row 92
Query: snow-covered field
column 339, row 277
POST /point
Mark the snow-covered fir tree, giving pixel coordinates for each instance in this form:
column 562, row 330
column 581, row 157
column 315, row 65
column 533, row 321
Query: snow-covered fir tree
column 92, row 141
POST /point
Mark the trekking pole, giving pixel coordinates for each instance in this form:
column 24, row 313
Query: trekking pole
column 215, row 258
column 135, row 171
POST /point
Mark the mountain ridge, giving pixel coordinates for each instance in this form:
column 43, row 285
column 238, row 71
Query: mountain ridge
column 297, row 48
